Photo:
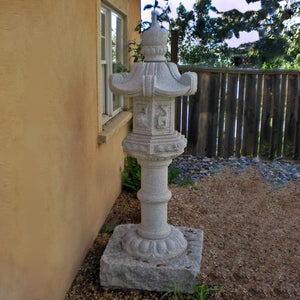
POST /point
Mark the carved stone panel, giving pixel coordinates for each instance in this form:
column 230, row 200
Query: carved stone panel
column 142, row 118
column 163, row 118
column 154, row 116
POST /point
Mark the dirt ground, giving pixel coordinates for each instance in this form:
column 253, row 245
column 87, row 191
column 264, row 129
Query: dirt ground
column 251, row 237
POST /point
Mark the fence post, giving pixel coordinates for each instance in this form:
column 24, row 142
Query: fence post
column 174, row 46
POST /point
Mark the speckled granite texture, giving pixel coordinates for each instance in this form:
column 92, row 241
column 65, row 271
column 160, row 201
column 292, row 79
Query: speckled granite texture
column 119, row 269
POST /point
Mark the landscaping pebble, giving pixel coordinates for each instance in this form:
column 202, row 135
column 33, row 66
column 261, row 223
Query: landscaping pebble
column 278, row 171
column 251, row 236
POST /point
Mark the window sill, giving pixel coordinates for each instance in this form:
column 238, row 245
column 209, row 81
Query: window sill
column 112, row 126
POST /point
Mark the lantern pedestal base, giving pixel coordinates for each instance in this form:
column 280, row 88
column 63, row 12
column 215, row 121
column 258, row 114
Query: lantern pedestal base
column 118, row 269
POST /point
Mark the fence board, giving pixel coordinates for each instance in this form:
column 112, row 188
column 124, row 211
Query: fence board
column 297, row 109
column 222, row 104
column 265, row 114
column 240, row 109
column 178, row 119
column 275, row 116
column 193, row 123
column 214, row 85
column 258, row 100
column 184, row 116
column 199, row 117
column 282, row 102
column 249, row 115
column 230, row 112
column 266, row 118
column 289, row 146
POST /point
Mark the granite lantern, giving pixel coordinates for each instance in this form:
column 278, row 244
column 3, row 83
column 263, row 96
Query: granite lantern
column 153, row 254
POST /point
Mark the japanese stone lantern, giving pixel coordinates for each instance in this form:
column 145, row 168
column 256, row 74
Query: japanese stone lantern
column 152, row 254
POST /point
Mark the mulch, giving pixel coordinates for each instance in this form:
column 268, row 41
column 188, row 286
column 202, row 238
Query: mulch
column 251, row 238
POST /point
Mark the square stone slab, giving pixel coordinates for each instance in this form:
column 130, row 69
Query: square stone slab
column 121, row 270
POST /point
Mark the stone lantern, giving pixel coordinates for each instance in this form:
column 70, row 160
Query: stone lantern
column 153, row 254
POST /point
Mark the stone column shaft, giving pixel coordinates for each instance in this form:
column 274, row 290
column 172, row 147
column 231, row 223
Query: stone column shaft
column 154, row 196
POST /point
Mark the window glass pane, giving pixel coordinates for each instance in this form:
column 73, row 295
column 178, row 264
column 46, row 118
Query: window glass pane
column 117, row 51
column 103, row 28
column 116, row 101
column 114, row 37
column 111, row 35
column 102, row 23
column 103, row 88
column 119, row 47
column 103, row 56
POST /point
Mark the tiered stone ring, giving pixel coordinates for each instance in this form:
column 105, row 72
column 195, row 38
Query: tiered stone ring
column 171, row 246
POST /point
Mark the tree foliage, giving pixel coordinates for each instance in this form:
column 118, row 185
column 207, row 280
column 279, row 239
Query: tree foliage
column 203, row 32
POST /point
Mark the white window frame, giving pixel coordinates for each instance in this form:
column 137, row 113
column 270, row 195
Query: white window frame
column 107, row 96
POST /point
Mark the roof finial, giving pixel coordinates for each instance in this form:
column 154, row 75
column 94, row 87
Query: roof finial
column 155, row 40
column 154, row 16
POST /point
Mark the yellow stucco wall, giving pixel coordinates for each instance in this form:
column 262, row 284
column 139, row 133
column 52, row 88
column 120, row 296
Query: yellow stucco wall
column 58, row 183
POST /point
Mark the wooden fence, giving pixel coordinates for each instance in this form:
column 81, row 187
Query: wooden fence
column 241, row 112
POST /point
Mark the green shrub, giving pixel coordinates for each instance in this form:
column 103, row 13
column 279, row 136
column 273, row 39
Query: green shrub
column 131, row 175
column 201, row 292
column 172, row 173
column 186, row 181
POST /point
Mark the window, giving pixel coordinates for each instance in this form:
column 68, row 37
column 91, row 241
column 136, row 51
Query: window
column 112, row 56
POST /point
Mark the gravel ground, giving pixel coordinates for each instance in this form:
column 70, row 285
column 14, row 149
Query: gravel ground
column 279, row 172
column 251, row 236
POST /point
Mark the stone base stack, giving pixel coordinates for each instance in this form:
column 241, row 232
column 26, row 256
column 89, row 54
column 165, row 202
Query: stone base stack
column 122, row 270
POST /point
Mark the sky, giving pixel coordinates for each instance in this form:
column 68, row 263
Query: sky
column 221, row 5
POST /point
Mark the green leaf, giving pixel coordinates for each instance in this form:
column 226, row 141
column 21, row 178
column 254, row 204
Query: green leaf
column 148, row 6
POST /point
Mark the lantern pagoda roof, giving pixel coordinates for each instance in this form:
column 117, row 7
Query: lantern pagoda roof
column 154, row 77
